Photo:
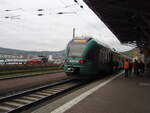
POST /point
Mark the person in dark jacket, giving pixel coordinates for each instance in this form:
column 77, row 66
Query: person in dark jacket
column 141, row 66
column 136, row 67
column 130, row 67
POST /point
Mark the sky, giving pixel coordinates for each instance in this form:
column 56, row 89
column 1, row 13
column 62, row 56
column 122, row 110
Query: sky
column 22, row 28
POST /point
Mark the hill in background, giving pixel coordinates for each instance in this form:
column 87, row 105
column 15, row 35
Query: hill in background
column 6, row 51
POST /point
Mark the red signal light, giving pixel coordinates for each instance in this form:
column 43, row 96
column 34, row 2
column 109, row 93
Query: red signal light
column 81, row 61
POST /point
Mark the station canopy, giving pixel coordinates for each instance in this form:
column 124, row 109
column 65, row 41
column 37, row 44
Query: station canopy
column 129, row 20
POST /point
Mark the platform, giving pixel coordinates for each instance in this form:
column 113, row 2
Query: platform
column 113, row 95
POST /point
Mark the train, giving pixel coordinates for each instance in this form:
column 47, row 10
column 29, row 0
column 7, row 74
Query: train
column 88, row 58
column 34, row 61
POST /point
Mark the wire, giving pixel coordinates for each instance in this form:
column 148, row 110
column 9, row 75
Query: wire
column 66, row 13
column 11, row 17
column 7, row 10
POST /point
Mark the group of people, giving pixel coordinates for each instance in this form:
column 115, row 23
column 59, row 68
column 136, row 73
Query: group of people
column 137, row 66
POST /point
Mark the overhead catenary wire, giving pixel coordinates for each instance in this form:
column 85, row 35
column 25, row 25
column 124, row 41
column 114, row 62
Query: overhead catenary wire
column 81, row 17
column 117, row 45
column 11, row 17
column 40, row 11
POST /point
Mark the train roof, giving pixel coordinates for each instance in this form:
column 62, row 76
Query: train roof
column 88, row 38
column 103, row 44
column 82, row 38
column 85, row 39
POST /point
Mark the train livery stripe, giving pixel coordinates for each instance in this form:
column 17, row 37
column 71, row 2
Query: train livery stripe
column 76, row 100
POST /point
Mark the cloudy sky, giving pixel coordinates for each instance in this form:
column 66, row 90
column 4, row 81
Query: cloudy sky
column 22, row 28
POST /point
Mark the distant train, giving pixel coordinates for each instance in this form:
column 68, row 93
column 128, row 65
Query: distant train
column 87, row 58
column 34, row 61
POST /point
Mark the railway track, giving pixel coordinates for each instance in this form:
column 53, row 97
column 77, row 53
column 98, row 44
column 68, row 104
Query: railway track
column 20, row 101
column 5, row 77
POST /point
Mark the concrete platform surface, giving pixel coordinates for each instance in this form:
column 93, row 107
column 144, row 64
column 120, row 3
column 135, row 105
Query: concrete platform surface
column 122, row 95
column 110, row 95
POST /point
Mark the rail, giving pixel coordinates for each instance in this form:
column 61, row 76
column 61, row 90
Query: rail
column 5, row 77
column 17, row 102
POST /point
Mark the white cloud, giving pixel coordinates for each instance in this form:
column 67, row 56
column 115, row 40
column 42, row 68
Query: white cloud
column 51, row 31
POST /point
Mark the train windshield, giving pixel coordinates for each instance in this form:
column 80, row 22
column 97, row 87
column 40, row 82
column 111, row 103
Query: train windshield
column 76, row 49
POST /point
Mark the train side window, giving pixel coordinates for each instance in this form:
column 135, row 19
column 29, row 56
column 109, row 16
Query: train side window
column 105, row 57
column 108, row 56
column 100, row 56
column 91, row 55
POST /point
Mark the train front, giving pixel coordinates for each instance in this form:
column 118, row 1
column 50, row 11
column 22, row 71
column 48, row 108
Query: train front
column 75, row 63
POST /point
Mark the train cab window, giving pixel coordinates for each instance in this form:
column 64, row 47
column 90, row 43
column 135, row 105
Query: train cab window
column 76, row 49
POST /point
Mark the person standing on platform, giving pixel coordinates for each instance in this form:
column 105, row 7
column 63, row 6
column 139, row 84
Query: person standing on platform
column 136, row 67
column 126, row 67
column 141, row 67
column 130, row 67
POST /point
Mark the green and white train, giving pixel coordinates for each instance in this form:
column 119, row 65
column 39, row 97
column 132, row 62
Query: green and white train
column 87, row 58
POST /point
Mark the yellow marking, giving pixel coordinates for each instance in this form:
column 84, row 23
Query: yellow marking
column 80, row 41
